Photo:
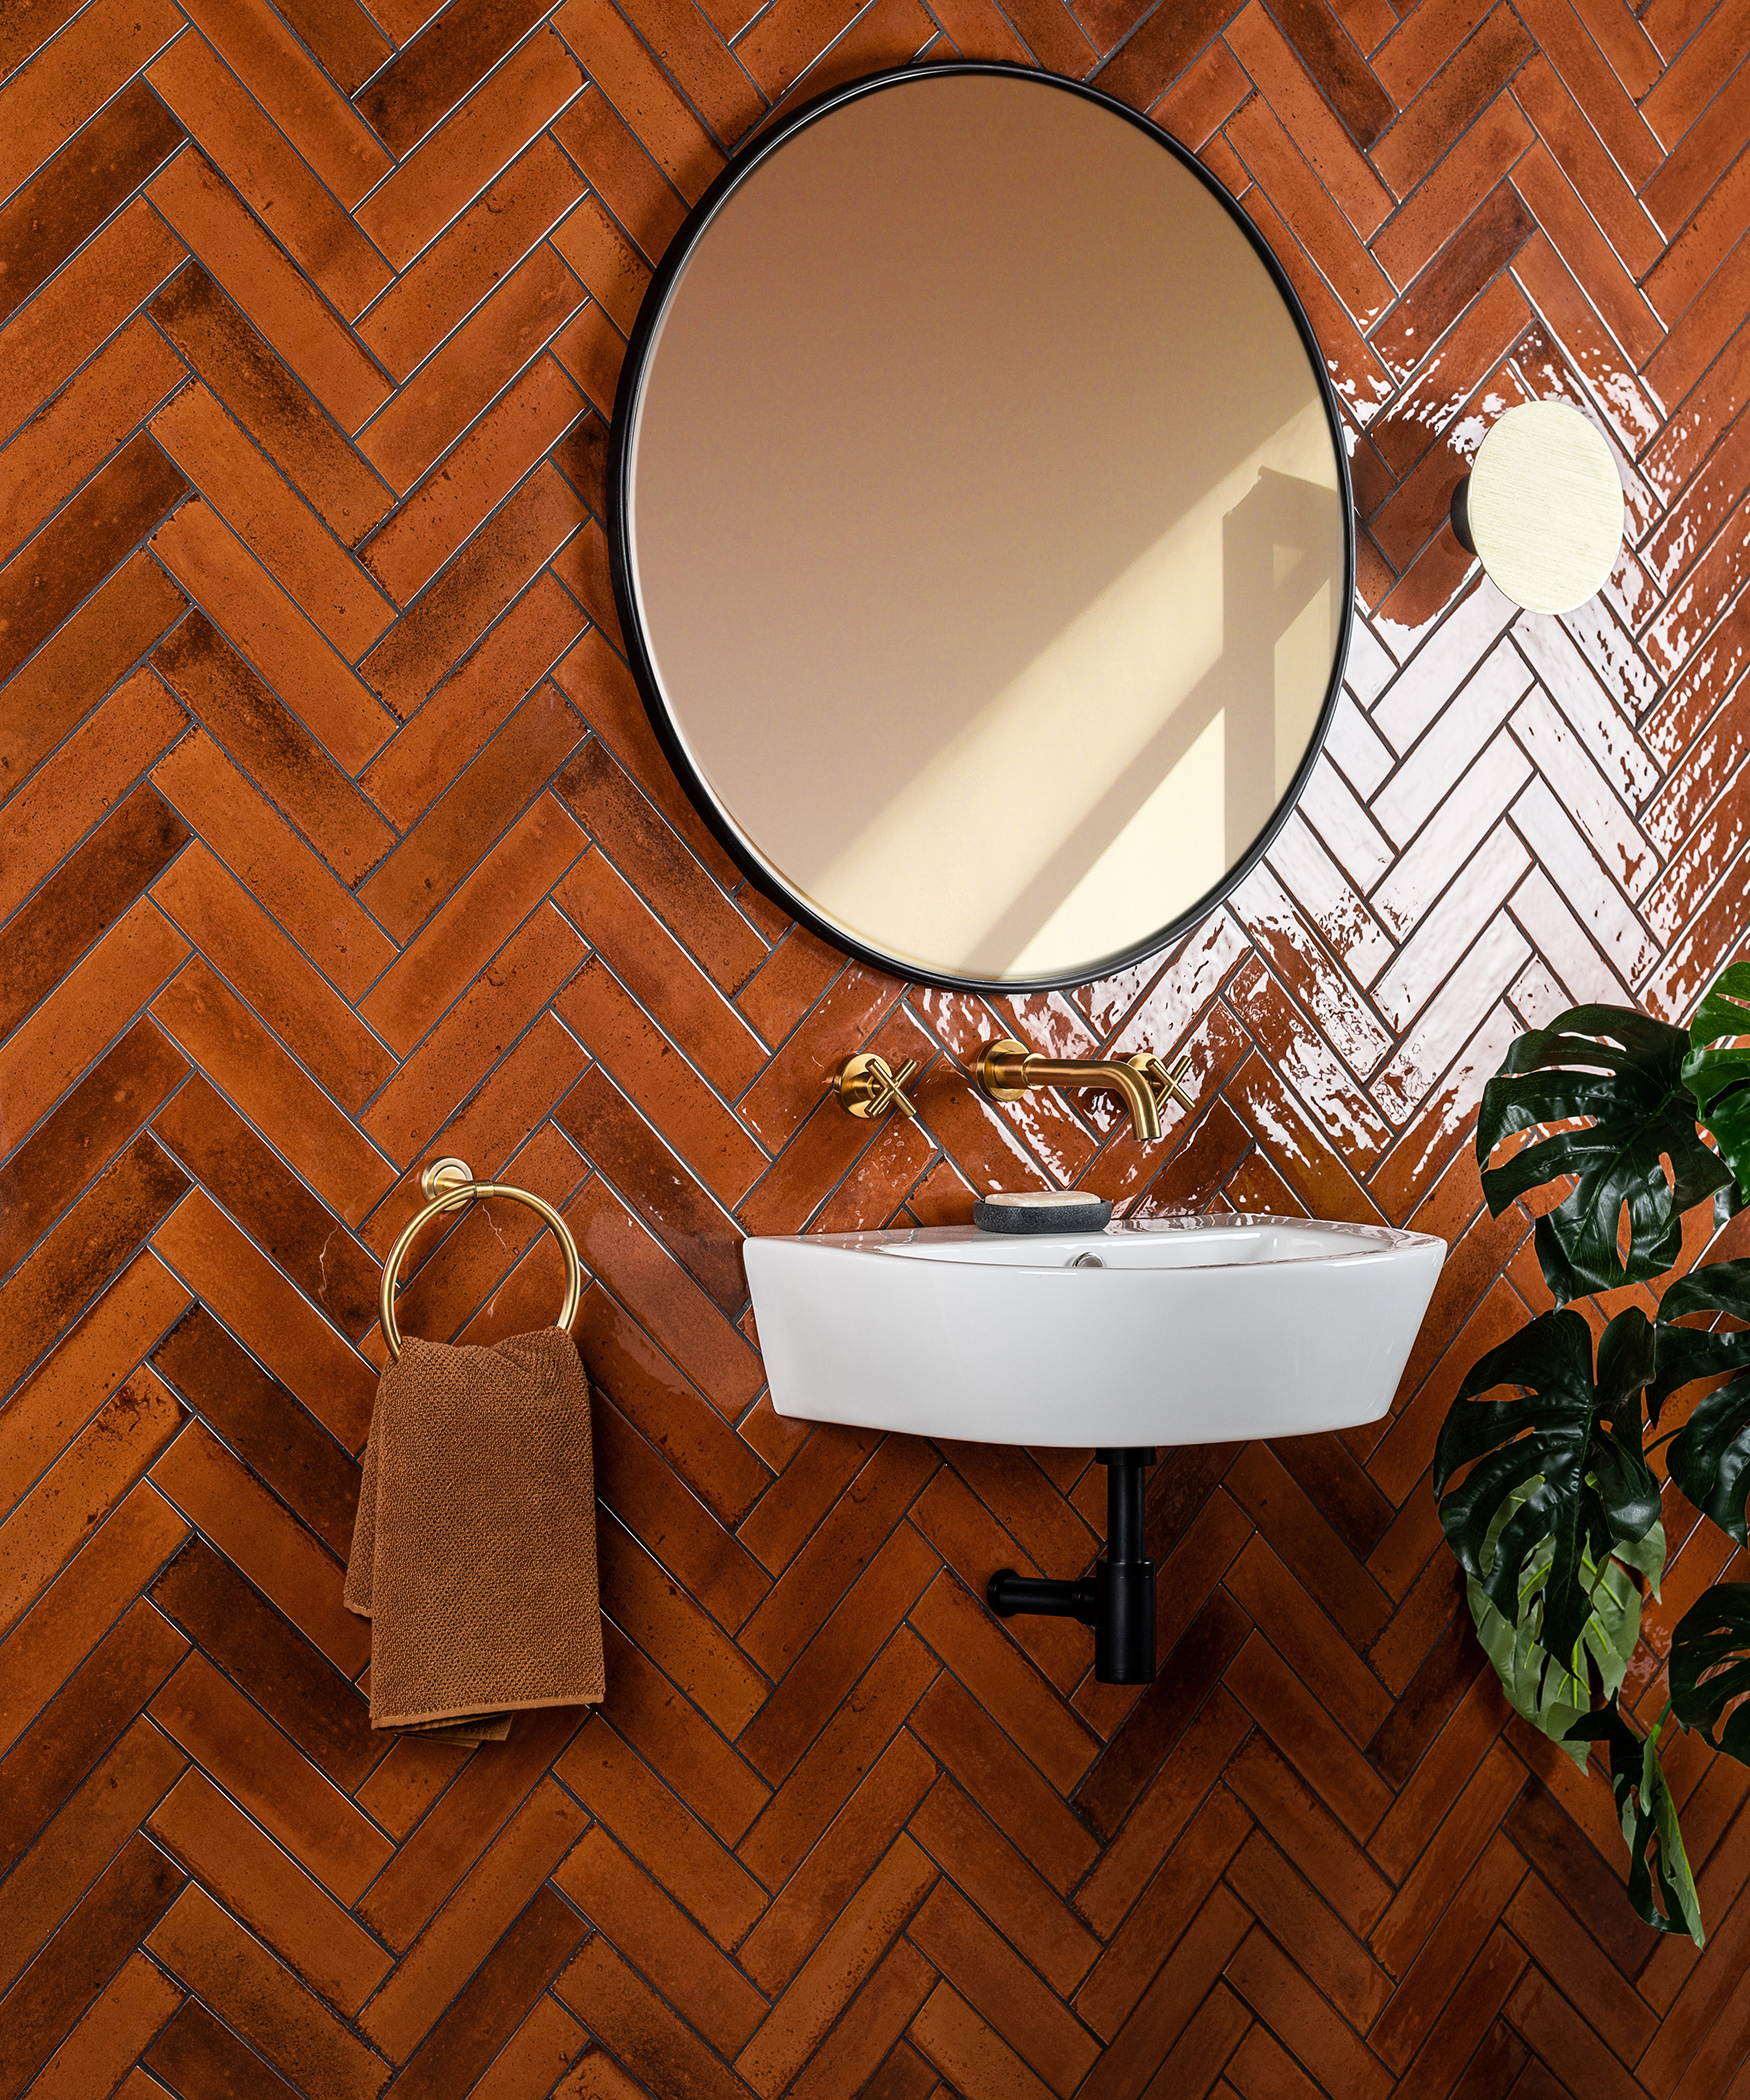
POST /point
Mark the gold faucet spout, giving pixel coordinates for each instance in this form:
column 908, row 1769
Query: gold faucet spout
column 1007, row 1070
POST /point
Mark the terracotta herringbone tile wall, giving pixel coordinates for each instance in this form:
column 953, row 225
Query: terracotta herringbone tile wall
column 334, row 839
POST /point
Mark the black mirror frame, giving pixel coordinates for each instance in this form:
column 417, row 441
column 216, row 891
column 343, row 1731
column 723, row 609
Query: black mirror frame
column 632, row 375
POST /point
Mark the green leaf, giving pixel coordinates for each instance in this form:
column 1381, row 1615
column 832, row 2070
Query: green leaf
column 1682, row 1354
column 1720, row 1079
column 1710, row 1667
column 1647, row 1815
column 1571, row 1454
column 1621, row 1073
column 1551, row 1693
column 1710, row 1457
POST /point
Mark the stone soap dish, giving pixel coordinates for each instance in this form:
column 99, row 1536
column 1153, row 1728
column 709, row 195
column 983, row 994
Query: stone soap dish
column 1042, row 1210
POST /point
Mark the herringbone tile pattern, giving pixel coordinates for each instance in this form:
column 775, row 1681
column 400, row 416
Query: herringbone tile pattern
column 334, row 839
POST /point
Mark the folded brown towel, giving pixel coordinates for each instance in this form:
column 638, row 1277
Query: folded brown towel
column 474, row 1553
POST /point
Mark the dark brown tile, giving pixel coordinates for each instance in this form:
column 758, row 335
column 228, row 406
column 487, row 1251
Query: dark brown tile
column 291, row 1680
column 202, row 2061
column 76, row 191
column 120, row 1908
column 522, row 1965
column 79, row 547
column 276, row 1438
column 426, row 79
column 78, row 1141
column 86, row 895
column 288, row 1224
column 1325, row 48
column 98, row 1702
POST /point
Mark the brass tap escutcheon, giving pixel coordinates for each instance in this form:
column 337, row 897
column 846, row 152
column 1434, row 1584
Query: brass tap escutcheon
column 869, row 1088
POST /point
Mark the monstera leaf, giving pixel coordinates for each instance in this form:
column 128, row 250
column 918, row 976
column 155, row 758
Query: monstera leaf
column 1710, row 1667
column 1648, row 1817
column 1571, row 1451
column 1719, row 1075
column 1620, row 1075
column 1553, row 1692
column 1710, row 1457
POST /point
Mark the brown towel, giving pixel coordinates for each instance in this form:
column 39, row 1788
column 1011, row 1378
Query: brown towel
column 474, row 1553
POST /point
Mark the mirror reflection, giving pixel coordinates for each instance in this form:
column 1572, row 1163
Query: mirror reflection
column 983, row 528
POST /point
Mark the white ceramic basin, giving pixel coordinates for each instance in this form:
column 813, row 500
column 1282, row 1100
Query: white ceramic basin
column 1191, row 1331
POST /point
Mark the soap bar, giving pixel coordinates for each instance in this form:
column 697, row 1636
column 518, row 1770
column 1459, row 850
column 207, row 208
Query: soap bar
column 1042, row 1210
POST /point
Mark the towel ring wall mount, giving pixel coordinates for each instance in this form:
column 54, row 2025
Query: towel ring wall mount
column 449, row 1184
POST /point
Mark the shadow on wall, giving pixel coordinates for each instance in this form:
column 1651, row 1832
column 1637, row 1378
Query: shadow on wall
column 1281, row 584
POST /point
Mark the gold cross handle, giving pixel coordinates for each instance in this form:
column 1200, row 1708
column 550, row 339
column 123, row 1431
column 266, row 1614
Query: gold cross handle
column 1162, row 1084
column 869, row 1088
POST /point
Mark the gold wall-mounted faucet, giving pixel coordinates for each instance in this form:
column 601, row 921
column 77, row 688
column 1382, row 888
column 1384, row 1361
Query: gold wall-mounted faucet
column 1006, row 1070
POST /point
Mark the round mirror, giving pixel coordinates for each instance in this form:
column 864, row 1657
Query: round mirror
column 982, row 528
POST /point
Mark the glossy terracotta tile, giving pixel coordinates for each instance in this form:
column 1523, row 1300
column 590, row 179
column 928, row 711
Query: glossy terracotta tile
column 201, row 897
column 531, row 1845
column 425, row 81
column 480, row 247
column 508, row 994
column 200, row 1478
column 525, row 1960
column 73, row 77
column 79, row 1140
column 288, row 651
column 96, row 412
column 273, row 65
column 637, row 86
column 1273, row 64
column 79, row 188
column 627, row 1795
column 47, row 579
column 94, row 771
column 201, row 1942
column 285, row 535
column 262, row 849
column 232, row 129
column 455, row 162
column 342, row 37
column 498, row 561
column 258, row 390
column 1004, row 1872
column 603, row 690
column 56, row 1633
column 1443, row 107
column 316, row 1939
column 523, row 311
column 1148, row 64
column 593, row 350
column 1275, row 161
column 622, row 171
column 834, row 1765
column 275, row 297
column 1360, row 378
column 126, row 1900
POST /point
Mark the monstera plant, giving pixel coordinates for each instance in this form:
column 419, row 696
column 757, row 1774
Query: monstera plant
column 1547, row 1498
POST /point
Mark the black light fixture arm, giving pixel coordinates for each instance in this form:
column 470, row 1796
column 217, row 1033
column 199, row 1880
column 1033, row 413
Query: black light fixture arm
column 1118, row 1600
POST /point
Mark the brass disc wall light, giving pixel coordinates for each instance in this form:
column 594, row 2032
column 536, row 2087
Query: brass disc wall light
column 1542, row 507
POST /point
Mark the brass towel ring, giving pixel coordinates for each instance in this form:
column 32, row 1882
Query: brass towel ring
column 450, row 1185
